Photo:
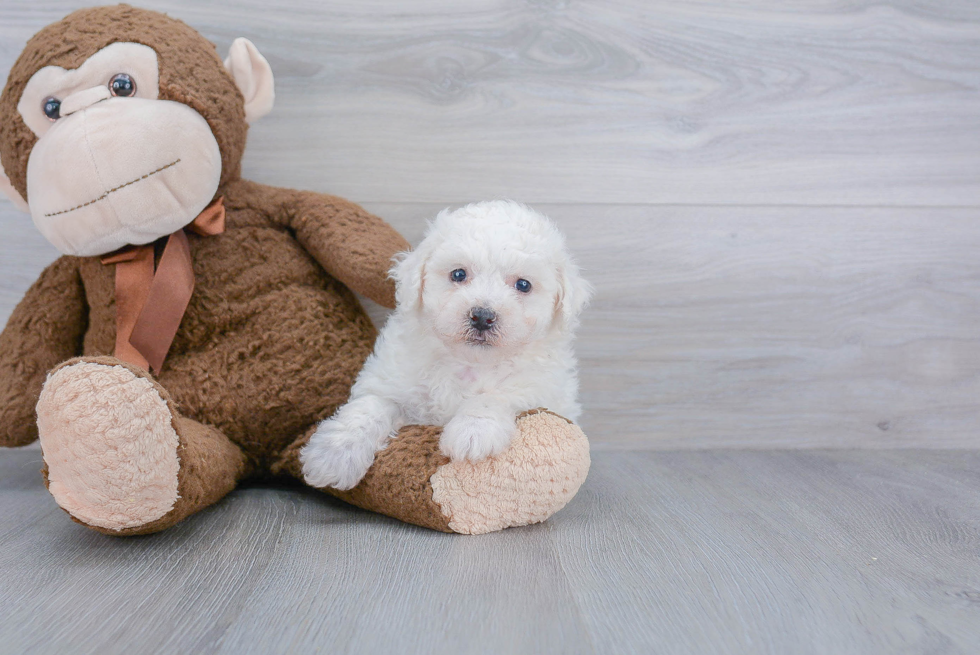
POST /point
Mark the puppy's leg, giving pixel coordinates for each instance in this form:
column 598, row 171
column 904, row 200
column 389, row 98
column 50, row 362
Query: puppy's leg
column 342, row 449
column 480, row 428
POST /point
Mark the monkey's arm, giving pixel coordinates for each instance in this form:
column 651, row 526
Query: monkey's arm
column 46, row 328
column 351, row 244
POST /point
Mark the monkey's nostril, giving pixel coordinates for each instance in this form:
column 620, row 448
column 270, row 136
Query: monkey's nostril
column 482, row 318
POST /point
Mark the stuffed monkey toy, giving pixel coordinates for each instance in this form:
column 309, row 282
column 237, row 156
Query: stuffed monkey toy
column 199, row 325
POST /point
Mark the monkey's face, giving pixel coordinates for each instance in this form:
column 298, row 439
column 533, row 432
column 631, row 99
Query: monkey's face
column 118, row 125
column 114, row 164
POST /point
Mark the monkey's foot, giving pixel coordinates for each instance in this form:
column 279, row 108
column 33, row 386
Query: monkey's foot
column 109, row 442
column 413, row 481
column 535, row 477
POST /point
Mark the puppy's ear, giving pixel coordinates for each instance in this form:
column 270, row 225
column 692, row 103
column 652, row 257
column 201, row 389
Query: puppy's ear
column 574, row 293
column 409, row 276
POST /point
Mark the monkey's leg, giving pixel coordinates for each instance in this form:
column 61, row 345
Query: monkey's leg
column 412, row 481
column 117, row 455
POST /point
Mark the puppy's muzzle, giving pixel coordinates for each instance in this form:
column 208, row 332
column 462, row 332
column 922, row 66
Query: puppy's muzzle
column 482, row 319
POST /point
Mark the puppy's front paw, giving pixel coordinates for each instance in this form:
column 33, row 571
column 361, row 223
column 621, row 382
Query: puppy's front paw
column 335, row 457
column 475, row 437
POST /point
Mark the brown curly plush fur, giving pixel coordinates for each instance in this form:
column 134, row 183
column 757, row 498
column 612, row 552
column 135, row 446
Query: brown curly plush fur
column 273, row 336
column 271, row 341
column 272, row 301
column 397, row 484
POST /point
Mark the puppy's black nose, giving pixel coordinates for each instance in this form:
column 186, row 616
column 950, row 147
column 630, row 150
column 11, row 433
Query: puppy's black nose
column 482, row 319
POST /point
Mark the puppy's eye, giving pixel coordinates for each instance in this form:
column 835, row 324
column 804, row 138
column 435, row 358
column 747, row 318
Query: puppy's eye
column 523, row 286
column 458, row 275
column 52, row 108
column 122, row 85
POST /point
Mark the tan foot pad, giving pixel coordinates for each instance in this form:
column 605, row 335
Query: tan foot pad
column 541, row 471
column 109, row 445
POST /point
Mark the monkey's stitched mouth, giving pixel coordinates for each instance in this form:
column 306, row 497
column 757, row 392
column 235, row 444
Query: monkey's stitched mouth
column 114, row 189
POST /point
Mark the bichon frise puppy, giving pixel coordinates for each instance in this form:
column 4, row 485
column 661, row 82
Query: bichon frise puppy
column 486, row 309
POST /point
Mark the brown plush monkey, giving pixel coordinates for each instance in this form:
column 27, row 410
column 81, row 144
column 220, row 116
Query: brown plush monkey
column 122, row 132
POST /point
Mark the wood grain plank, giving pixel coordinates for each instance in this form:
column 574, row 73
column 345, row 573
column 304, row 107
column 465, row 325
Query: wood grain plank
column 683, row 552
column 817, row 102
column 448, row 592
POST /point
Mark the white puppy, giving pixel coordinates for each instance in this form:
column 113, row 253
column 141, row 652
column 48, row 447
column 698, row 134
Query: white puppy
column 486, row 309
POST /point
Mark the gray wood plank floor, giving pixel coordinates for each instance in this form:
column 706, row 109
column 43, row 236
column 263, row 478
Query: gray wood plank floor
column 668, row 552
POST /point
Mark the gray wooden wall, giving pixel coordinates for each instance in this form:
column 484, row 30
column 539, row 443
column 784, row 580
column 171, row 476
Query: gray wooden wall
column 777, row 201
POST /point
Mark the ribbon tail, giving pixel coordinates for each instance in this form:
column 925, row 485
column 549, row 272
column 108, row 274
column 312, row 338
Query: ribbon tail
column 169, row 294
column 133, row 275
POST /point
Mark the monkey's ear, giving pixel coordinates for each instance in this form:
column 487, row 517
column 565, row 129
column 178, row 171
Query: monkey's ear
column 253, row 76
column 12, row 193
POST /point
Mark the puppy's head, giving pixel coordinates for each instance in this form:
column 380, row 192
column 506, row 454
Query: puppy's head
column 492, row 275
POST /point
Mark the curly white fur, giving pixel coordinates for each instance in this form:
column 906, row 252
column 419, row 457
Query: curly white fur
column 431, row 366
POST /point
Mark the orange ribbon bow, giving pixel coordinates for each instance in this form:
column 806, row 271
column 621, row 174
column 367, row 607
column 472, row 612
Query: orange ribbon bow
column 150, row 304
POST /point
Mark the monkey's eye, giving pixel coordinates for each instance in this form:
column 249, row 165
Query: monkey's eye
column 122, row 85
column 52, row 108
column 458, row 275
column 523, row 286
